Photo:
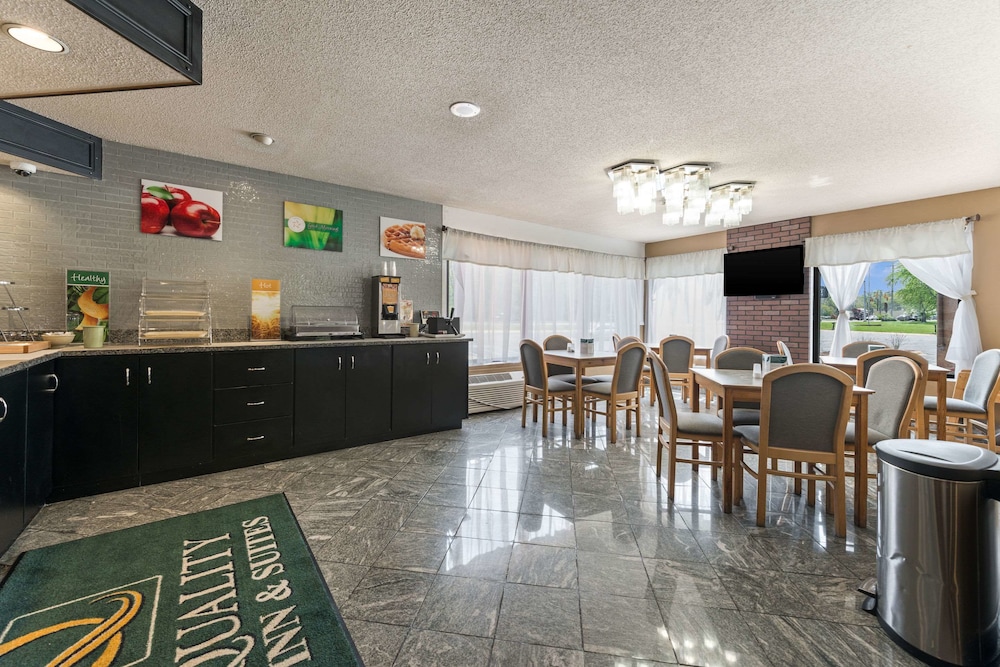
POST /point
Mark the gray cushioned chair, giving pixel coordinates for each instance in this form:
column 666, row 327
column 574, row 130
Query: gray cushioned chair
column 859, row 347
column 804, row 413
column 619, row 342
column 741, row 359
column 721, row 344
column 622, row 393
column 978, row 403
column 564, row 373
column 868, row 359
column 678, row 429
column 541, row 390
column 677, row 353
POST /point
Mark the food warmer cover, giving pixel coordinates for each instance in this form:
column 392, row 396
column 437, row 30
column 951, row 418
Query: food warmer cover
column 322, row 322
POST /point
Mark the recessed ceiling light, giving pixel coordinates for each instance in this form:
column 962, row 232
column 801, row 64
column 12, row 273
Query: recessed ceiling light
column 465, row 109
column 34, row 38
column 262, row 138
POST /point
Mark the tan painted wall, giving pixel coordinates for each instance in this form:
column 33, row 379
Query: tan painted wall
column 986, row 239
column 711, row 241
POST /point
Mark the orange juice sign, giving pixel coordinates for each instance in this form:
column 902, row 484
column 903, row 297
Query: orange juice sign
column 265, row 309
column 88, row 298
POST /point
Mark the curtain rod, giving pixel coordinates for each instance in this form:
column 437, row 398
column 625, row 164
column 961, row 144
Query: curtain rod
column 972, row 218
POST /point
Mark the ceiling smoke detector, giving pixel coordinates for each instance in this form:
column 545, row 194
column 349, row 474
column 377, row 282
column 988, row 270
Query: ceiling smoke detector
column 464, row 109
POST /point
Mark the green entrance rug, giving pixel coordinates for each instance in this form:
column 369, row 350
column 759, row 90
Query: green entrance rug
column 230, row 586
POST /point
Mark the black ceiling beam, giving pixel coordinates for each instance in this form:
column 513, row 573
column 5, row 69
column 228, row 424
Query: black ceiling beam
column 34, row 137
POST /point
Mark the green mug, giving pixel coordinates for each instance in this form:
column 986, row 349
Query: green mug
column 93, row 335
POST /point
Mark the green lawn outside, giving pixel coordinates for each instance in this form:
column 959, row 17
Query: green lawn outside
column 886, row 327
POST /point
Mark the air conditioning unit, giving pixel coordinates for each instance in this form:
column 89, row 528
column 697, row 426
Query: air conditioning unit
column 495, row 391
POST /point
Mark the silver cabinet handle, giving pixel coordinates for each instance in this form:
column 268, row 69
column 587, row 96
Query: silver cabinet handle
column 255, row 437
column 5, row 409
column 149, row 375
column 250, row 405
column 437, row 357
column 428, row 359
column 128, row 377
column 352, row 362
column 340, row 363
column 257, row 368
column 54, row 377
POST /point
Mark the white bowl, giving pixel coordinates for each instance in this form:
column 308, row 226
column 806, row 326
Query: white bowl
column 58, row 338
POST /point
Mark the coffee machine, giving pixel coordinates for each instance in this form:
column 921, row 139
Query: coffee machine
column 385, row 307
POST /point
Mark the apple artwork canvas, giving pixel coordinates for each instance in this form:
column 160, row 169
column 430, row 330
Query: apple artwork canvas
column 180, row 210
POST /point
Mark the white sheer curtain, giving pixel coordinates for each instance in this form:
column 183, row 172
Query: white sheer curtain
column 691, row 306
column 685, row 297
column 499, row 306
column 844, row 283
column 952, row 276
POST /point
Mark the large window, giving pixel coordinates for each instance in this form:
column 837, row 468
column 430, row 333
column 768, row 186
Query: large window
column 500, row 306
column 895, row 308
column 691, row 306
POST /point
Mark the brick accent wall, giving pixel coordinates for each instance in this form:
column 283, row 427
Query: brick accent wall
column 760, row 323
column 52, row 222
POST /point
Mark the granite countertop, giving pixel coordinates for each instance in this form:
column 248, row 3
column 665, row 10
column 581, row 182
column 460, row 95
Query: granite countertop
column 11, row 363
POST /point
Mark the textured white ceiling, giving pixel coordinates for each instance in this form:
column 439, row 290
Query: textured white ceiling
column 828, row 106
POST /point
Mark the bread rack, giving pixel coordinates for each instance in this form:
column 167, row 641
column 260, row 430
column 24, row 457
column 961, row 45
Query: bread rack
column 14, row 308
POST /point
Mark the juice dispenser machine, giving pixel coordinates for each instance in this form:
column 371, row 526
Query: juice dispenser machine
column 385, row 307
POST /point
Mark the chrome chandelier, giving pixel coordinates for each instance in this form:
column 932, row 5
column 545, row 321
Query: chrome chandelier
column 638, row 185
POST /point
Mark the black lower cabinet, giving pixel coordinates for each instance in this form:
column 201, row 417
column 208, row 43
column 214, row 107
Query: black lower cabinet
column 96, row 425
column 175, row 412
column 342, row 396
column 430, row 385
column 12, row 423
column 42, row 386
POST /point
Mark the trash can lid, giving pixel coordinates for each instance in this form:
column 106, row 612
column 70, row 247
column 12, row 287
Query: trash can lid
column 942, row 460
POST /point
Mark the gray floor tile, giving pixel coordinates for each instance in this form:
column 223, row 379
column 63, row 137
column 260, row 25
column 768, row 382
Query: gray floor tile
column 611, row 574
column 606, row 537
column 679, row 583
column 549, row 503
column 554, row 531
column 541, row 565
column 419, row 552
column 341, row 578
column 426, row 648
column 357, row 545
column 435, row 519
column 709, row 636
column 517, row 654
column 538, row 615
column 497, row 499
column 460, row 605
column 488, row 525
column 383, row 514
column 626, row 627
column 669, row 543
column 453, row 495
column 477, row 559
column 378, row 643
column 388, row 596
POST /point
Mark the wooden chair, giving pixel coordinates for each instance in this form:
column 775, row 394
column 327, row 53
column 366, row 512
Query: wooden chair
column 898, row 384
column 859, row 347
column 621, row 393
column 564, row 373
column 741, row 359
column 804, row 412
column 677, row 429
column 868, row 359
column 677, row 353
column 721, row 344
column 619, row 342
column 540, row 390
column 977, row 404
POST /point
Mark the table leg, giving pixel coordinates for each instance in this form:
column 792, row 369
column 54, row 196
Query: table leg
column 727, row 454
column 578, row 403
column 695, row 389
column 861, row 462
column 942, row 409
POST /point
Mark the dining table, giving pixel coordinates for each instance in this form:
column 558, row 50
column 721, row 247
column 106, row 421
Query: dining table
column 734, row 386
column 936, row 374
column 579, row 361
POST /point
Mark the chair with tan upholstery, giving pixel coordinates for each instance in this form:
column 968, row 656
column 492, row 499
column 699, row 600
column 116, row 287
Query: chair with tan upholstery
column 804, row 413
column 859, row 347
column 976, row 407
column 677, row 429
column 619, row 342
column 541, row 390
column 621, row 393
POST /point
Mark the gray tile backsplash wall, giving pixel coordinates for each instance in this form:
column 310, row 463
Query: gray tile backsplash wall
column 51, row 222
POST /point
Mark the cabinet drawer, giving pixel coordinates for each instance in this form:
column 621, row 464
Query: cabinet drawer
column 247, row 403
column 254, row 440
column 244, row 369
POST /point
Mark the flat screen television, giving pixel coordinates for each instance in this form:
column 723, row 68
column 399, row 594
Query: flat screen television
column 764, row 272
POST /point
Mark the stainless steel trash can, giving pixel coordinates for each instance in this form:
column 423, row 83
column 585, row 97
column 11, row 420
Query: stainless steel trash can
column 938, row 551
